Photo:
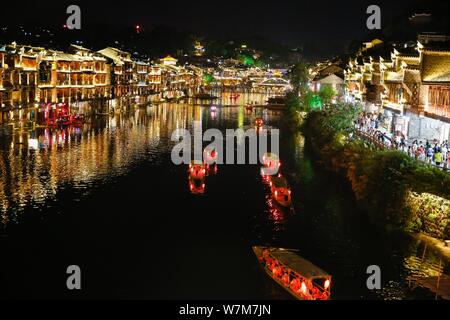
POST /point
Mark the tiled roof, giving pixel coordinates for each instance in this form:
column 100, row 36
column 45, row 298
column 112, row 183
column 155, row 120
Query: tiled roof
column 411, row 76
column 330, row 70
column 410, row 60
column 436, row 66
column 391, row 76
column 168, row 58
column 118, row 56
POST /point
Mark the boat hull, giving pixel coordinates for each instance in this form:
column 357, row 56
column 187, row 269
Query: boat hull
column 258, row 252
column 288, row 276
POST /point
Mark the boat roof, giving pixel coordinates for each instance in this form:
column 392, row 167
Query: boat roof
column 279, row 182
column 295, row 262
column 270, row 155
column 197, row 163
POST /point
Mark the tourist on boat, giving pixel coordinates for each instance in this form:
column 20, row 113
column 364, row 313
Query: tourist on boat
column 295, row 285
column 315, row 293
column 277, row 271
column 285, row 278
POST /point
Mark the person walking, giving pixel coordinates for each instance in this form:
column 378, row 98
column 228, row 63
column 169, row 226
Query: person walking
column 438, row 157
column 444, row 150
column 422, row 156
column 430, row 154
column 448, row 160
column 414, row 148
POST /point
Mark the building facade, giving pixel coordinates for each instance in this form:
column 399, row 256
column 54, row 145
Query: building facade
column 411, row 87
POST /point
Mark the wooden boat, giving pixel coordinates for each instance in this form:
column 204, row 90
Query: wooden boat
column 197, row 176
column 197, row 170
column 210, row 156
column 298, row 276
column 259, row 122
column 281, row 192
column 271, row 164
column 196, row 186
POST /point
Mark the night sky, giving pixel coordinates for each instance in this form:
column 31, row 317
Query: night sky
column 331, row 23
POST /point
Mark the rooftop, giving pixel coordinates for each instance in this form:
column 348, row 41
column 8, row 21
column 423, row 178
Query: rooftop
column 436, row 66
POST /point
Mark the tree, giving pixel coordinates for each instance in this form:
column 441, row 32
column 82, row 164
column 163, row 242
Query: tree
column 311, row 101
column 341, row 117
column 326, row 94
column 247, row 60
column 208, row 78
column 299, row 77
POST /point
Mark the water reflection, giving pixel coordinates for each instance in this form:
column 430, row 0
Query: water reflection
column 36, row 162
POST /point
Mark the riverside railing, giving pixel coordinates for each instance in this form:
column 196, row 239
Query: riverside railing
column 371, row 138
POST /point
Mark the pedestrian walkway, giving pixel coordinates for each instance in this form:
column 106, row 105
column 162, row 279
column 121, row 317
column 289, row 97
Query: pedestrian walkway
column 437, row 156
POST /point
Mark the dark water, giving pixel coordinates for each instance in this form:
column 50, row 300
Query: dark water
column 107, row 197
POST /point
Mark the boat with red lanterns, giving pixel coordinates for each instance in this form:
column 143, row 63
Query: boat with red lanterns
column 197, row 186
column 57, row 115
column 210, row 156
column 271, row 164
column 197, row 170
column 281, row 192
column 301, row 278
column 197, row 176
column 259, row 122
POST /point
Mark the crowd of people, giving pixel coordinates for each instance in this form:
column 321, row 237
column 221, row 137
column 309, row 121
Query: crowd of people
column 434, row 153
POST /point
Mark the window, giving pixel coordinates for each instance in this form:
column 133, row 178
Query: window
column 45, row 72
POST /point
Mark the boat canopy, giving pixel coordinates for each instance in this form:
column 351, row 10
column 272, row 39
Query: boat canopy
column 293, row 261
column 197, row 163
column 270, row 156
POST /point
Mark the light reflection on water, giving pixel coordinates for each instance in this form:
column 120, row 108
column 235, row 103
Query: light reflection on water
column 35, row 165
column 72, row 155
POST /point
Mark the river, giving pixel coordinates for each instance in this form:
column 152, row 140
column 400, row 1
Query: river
column 106, row 197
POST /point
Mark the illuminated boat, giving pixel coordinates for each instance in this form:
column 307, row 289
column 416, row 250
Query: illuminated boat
column 281, row 192
column 259, row 122
column 77, row 120
column 210, row 156
column 58, row 115
column 298, row 276
column 197, row 186
column 197, row 170
column 271, row 164
column 197, row 176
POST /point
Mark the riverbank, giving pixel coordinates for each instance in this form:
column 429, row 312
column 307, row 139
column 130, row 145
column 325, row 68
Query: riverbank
column 63, row 187
column 436, row 244
column 397, row 192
